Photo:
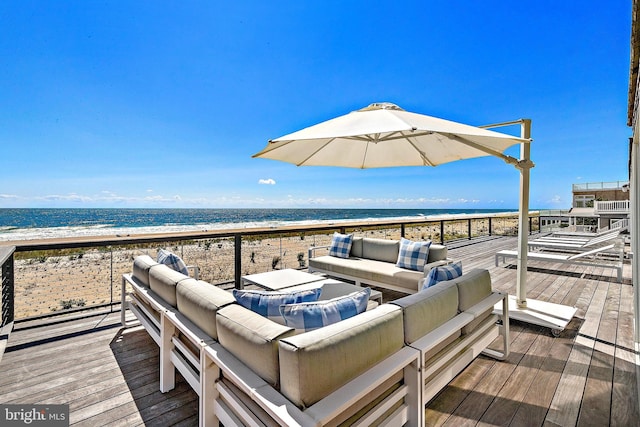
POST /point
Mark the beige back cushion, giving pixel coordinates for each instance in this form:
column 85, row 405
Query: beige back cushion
column 356, row 247
column 473, row 287
column 141, row 266
column 199, row 301
column 251, row 338
column 163, row 281
column 316, row 363
column 426, row 310
column 380, row 249
column 437, row 253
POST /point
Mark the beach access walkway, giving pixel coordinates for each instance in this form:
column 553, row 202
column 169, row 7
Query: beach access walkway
column 585, row 377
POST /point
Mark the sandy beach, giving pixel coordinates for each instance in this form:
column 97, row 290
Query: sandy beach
column 48, row 282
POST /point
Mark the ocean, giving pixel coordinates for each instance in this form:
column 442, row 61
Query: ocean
column 29, row 224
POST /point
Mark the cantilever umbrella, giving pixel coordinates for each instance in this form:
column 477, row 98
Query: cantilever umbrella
column 385, row 135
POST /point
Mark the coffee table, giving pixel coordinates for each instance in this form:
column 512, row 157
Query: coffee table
column 280, row 279
column 291, row 279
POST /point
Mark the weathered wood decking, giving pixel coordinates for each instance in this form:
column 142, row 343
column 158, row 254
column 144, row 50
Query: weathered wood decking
column 585, row 377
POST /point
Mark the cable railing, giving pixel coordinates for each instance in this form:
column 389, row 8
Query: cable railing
column 50, row 277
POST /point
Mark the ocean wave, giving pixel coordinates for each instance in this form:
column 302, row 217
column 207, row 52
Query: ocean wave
column 10, row 233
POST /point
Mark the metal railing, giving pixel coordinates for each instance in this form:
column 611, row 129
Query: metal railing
column 7, row 303
column 612, row 206
column 53, row 277
column 612, row 185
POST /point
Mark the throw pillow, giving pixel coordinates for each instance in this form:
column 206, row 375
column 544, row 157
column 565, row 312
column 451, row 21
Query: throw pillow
column 341, row 245
column 314, row 315
column 267, row 303
column 445, row 272
column 413, row 255
column 173, row 261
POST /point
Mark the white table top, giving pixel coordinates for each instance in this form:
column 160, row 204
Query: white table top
column 280, row 279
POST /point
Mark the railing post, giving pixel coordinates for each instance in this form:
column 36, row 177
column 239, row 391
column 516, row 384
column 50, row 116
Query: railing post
column 111, row 275
column 469, row 228
column 442, row 231
column 490, row 230
column 238, row 259
column 402, row 230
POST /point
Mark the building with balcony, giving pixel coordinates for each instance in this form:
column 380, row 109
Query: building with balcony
column 596, row 207
column 599, row 206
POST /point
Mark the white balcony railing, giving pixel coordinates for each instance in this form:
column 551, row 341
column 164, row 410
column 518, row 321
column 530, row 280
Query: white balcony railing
column 612, row 206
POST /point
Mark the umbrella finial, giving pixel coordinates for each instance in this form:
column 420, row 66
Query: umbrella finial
column 381, row 106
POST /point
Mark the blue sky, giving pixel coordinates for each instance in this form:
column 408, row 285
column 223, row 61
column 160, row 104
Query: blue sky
column 162, row 104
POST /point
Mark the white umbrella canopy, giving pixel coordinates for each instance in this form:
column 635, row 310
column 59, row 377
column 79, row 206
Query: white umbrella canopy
column 385, row 135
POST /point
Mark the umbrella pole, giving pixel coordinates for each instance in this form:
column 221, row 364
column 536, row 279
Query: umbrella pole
column 542, row 313
column 523, row 225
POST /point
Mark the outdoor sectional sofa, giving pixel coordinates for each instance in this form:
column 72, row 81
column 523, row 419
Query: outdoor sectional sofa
column 382, row 365
column 373, row 262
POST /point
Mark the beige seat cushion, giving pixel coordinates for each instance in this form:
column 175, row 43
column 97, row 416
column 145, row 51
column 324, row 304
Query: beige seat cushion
column 253, row 339
column 369, row 271
column 316, row 363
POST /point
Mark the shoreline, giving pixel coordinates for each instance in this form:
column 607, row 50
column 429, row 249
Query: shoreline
column 48, row 280
column 126, row 234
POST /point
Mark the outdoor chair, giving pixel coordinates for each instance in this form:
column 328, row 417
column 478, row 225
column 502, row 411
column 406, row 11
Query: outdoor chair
column 609, row 256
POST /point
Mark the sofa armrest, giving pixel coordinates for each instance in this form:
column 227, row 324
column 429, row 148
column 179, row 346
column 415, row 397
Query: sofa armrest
column 428, row 267
column 196, row 271
column 313, row 249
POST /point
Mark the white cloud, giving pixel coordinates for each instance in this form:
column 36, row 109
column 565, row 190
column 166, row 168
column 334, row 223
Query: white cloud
column 267, row 181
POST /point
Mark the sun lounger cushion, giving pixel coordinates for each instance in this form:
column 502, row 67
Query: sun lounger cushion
column 316, row 363
column 173, row 261
column 253, row 339
column 442, row 273
column 341, row 245
column 308, row 316
column 163, row 281
column 199, row 301
column 268, row 304
column 426, row 310
column 413, row 255
column 141, row 266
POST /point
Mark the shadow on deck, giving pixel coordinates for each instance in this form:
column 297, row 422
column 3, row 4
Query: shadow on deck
column 586, row 376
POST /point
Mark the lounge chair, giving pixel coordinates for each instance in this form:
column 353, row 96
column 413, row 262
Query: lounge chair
column 572, row 243
column 592, row 257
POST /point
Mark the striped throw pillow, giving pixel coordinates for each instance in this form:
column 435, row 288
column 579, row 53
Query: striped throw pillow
column 267, row 303
column 413, row 255
column 341, row 245
column 314, row 315
column 442, row 273
column 173, row 261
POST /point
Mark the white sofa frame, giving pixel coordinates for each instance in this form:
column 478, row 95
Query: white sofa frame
column 230, row 393
column 360, row 282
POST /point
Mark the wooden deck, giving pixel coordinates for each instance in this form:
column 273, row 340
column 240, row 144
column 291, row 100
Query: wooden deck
column 585, row 377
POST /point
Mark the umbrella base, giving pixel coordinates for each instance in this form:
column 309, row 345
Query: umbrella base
column 541, row 313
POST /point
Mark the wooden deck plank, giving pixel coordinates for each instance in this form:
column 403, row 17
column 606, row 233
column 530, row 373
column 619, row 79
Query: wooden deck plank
column 536, row 402
column 109, row 376
column 566, row 402
column 484, row 393
column 508, row 400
